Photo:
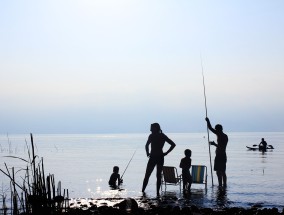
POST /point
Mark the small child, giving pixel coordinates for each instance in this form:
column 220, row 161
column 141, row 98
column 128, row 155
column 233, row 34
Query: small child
column 185, row 164
column 115, row 177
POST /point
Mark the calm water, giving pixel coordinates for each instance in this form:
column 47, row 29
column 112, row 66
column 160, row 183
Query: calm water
column 83, row 163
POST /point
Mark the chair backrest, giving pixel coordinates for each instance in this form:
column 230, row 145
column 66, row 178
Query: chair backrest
column 199, row 174
column 170, row 174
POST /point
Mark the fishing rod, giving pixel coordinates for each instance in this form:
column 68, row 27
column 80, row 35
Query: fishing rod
column 128, row 163
column 205, row 102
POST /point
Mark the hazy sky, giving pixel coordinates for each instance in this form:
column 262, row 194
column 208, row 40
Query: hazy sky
column 102, row 66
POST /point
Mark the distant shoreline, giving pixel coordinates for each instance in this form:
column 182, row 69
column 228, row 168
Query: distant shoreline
column 127, row 133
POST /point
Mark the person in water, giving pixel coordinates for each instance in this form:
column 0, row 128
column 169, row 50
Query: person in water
column 115, row 177
column 262, row 145
column 156, row 156
column 221, row 157
column 185, row 164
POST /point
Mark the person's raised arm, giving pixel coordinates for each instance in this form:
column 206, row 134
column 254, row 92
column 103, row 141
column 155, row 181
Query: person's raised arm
column 209, row 125
column 173, row 145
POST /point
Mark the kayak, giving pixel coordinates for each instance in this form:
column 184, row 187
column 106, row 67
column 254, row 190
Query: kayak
column 253, row 148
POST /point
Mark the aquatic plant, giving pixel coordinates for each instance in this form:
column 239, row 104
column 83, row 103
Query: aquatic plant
column 37, row 194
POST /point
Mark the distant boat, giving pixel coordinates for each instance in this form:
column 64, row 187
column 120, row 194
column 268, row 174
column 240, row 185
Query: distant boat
column 260, row 148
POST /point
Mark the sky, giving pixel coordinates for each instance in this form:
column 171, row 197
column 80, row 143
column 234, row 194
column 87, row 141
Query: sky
column 116, row 66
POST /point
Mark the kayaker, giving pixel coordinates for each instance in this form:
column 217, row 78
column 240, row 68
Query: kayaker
column 262, row 145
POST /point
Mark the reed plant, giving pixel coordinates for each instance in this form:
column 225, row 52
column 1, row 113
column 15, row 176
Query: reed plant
column 37, row 194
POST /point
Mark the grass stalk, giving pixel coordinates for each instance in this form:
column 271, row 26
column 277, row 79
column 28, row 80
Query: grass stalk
column 38, row 193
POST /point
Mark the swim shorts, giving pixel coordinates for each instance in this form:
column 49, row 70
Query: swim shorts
column 220, row 162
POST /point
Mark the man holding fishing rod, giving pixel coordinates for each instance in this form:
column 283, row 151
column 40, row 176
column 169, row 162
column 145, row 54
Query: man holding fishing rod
column 157, row 140
column 221, row 157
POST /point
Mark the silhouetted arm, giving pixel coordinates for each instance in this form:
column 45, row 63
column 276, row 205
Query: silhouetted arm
column 213, row 143
column 120, row 180
column 181, row 164
column 147, row 146
column 173, row 145
column 209, row 125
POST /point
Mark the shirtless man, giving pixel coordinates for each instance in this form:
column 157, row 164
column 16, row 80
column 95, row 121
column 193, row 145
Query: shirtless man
column 262, row 145
column 157, row 140
column 221, row 157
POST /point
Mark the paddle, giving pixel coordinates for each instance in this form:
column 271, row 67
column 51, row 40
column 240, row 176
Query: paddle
column 270, row 146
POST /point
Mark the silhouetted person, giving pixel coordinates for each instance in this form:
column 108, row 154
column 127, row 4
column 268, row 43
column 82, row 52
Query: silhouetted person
column 221, row 157
column 262, row 145
column 115, row 177
column 157, row 140
column 185, row 164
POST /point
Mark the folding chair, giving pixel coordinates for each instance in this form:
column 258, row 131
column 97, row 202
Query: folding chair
column 199, row 174
column 171, row 177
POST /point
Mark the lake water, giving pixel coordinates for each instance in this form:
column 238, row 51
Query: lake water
column 83, row 163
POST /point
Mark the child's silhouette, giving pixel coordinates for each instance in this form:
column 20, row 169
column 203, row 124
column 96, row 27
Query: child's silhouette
column 115, row 177
column 185, row 164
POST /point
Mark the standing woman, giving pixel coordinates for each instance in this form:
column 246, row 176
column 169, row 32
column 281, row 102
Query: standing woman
column 157, row 140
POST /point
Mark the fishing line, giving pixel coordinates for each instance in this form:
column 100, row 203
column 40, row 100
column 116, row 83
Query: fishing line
column 205, row 102
column 128, row 163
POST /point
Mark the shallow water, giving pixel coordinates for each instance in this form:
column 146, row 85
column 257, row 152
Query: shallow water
column 83, row 163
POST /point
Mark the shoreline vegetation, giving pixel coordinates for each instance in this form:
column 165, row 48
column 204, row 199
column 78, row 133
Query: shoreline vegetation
column 39, row 195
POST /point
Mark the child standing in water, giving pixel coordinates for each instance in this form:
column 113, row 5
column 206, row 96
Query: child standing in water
column 185, row 164
column 115, row 177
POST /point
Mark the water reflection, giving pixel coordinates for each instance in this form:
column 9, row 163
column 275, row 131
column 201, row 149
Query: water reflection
column 263, row 157
column 196, row 197
column 221, row 197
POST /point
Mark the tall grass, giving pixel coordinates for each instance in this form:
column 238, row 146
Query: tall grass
column 37, row 194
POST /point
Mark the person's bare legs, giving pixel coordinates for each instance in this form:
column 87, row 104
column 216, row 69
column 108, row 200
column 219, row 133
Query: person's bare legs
column 224, row 176
column 189, row 184
column 184, row 183
column 219, row 176
column 149, row 170
column 159, row 178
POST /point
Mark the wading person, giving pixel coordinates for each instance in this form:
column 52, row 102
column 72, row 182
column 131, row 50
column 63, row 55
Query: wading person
column 157, row 140
column 221, row 157
column 185, row 164
column 115, row 177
